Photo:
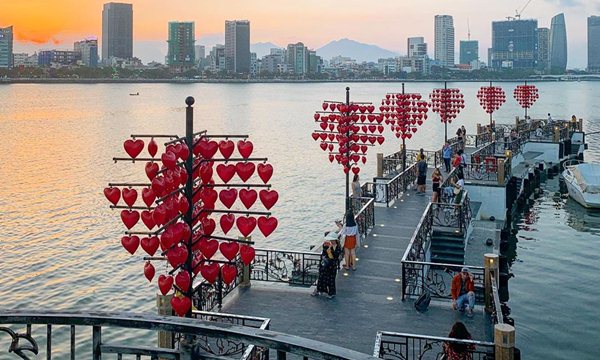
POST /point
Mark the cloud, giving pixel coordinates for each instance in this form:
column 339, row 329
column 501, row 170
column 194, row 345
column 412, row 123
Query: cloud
column 566, row 3
column 36, row 38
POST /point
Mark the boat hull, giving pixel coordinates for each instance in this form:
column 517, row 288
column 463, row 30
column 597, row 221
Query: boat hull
column 590, row 201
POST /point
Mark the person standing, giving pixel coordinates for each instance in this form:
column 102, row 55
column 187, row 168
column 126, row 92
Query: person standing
column 447, row 155
column 420, row 155
column 421, row 176
column 458, row 351
column 464, row 136
column 328, row 267
column 459, row 186
column 350, row 234
column 436, row 179
column 459, row 137
column 549, row 119
column 463, row 292
column 574, row 123
column 356, row 192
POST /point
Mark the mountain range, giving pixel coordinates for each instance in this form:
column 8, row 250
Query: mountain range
column 355, row 50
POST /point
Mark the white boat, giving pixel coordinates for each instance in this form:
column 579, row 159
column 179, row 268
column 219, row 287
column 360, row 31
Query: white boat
column 583, row 183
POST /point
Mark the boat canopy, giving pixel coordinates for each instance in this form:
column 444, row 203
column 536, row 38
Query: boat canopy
column 588, row 177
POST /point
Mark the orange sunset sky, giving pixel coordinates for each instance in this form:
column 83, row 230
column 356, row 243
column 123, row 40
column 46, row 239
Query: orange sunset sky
column 46, row 24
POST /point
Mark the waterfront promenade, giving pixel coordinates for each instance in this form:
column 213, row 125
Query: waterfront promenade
column 368, row 299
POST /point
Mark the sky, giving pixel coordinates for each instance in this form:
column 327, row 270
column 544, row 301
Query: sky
column 56, row 24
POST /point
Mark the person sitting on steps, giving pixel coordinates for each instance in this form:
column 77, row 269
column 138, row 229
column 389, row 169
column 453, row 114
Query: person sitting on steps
column 463, row 292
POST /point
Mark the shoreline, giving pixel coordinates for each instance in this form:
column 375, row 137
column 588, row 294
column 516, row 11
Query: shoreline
column 255, row 81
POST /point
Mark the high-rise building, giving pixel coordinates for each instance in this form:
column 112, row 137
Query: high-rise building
column 416, row 47
column 216, row 59
column 117, row 31
column 200, row 52
column 543, row 49
column 237, row 46
column 181, row 45
column 444, row 40
column 296, row 58
column 6, row 47
column 469, row 51
column 593, row 38
column 89, row 51
column 58, row 57
column 558, row 44
column 514, row 44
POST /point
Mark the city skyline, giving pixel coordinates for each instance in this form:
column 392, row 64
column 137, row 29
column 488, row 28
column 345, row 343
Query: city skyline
column 313, row 23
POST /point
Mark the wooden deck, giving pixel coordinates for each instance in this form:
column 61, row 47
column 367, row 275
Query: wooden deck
column 368, row 299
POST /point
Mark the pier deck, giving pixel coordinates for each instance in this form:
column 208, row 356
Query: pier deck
column 368, row 299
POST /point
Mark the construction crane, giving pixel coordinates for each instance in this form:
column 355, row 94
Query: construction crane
column 468, row 30
column 518, row 13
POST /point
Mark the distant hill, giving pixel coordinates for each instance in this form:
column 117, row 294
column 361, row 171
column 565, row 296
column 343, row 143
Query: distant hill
column 263, row 48
column 354, row 49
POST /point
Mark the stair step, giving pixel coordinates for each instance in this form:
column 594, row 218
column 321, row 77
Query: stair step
column 449, row 252
column 447, row 232
column 444, row 247
column 447, row 259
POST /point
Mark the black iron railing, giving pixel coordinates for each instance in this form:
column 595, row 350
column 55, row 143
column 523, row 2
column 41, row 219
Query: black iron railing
column 34, row 333
column 497, row 315
column 388, row 190
column 418, row 274
column 391, row 345
column 365, row 217
column 487, row 171
column 478, row 140
column 284, row 266
column 479, row 155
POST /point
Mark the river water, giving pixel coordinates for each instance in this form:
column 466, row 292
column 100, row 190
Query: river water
column 60, row 241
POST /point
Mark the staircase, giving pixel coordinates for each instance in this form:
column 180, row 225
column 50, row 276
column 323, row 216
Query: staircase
column 447, row 247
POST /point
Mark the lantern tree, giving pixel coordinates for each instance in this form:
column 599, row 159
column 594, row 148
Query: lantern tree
column 346, row 131
column 404, row 112
column 491, row 98
column 194, row 178
column 448, row 104
column 526, row 96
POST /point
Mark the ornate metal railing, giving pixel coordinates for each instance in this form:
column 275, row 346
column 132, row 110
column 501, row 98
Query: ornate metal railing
column 225, row 347
column 480, row 154
column 497, row 315
column 41, row 340
column 284, row 266
column 477, row 140
column 453, row 216
column 209, row 296
column 392, row 164
column 391, row 345
column 418, row 273
column 388, row 190
column 487, row 171
column 436, row 278
column 365, row 217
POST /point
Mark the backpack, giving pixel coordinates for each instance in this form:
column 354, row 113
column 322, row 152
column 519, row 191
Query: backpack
column 422, row 302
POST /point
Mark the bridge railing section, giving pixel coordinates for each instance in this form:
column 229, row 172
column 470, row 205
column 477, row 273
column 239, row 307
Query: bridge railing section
column 91, row 335
column 391, row 345
column 387, row 190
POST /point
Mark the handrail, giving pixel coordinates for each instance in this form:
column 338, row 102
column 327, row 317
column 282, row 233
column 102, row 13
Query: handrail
column 498, row 316
column 281, row 342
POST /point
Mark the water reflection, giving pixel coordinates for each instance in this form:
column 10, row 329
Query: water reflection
column 580, row 218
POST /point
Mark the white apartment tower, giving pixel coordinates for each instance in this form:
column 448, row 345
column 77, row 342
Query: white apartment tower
column 444, row 40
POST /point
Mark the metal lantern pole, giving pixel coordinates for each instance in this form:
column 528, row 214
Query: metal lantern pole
column 403, row 143
column 445, row 102
column 189, row 190
column 490, row 111
column 526, row 104
column 347, row 150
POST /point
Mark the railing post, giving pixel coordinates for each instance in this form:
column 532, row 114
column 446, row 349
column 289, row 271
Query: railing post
column 491, row 266
column 379, row 165
column 403, row 280
column 163, row 305
column 245, row 268
column 96, row 342
column 556, row 134
column 500, row 169
column 504, row 340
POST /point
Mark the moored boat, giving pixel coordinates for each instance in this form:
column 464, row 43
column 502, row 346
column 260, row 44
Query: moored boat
column 583, row 183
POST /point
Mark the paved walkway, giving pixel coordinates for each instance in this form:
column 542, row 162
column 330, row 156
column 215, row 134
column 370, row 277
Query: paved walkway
column 368, row 299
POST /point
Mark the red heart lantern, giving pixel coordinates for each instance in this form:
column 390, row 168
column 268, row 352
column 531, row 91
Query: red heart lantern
column 267, row 225
column 130, row 218
column 148, row 196
column 147, row 219
column 245, row 148
column 226, row 148
column 247, row 254
column 246, row 225
column 248, row 197
column 130, row 196
column 165, row 283
column 151, row 170
column 130, row 243
column 228, row 273
column 265, row 171
column 268, row 198
column 227, row 220
column 226, row 172
column 229, row 250
column 210, row 272
column 208, row 247
column 150, row 245
column 152, row 147
column 183, row 281
column 133, row 147
column 208, row 226
column 112, row 194
column 149, row 271
column 206, row 148
column 228, row 197
column 181, row 305
column 245, row 170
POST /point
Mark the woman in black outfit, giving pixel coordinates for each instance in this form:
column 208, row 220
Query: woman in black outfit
column 328, row 267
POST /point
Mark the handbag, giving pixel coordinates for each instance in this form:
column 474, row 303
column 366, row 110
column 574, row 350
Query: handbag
column 456, row 191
